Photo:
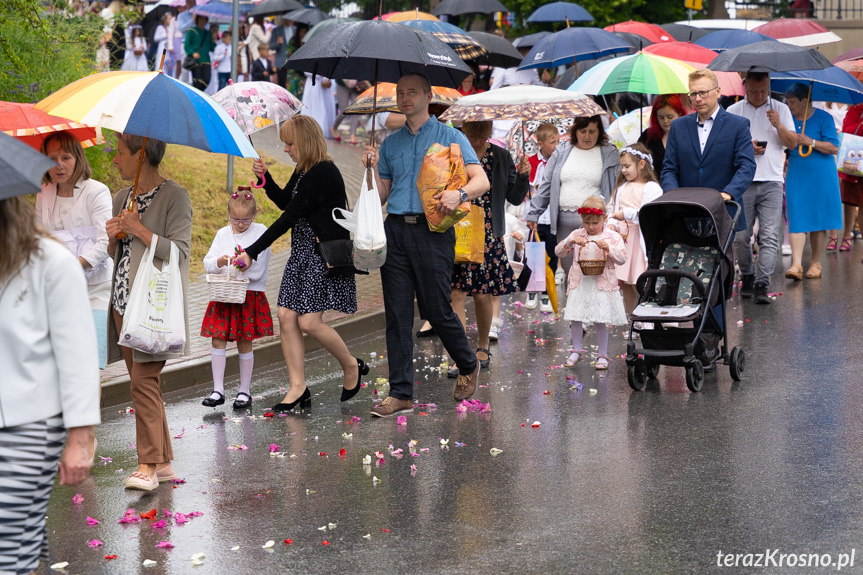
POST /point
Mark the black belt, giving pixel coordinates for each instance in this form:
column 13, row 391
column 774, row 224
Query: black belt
column 410, row 218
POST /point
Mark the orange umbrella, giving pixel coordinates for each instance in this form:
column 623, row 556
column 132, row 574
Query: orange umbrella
column 699, row 57
column 853, row 67
column 408, row 15
column 386, row 101
column 31, row 126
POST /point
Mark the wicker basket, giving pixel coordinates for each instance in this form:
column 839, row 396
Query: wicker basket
column 227, row 289
column 590, row 267
column 624, row 233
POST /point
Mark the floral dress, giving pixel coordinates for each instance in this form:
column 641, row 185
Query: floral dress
column 494, row 276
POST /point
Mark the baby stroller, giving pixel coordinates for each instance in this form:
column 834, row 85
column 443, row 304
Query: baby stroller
column 688, row 234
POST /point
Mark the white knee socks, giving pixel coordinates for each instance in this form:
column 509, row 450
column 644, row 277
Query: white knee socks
column 217, row 358
column 247, row 366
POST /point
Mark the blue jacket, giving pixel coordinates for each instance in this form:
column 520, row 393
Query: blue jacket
column 727, row 164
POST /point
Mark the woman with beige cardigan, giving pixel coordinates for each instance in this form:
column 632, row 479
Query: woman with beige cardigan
column 161, row 208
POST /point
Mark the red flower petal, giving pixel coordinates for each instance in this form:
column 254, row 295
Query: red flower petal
column 269, row 414
column 288, row 541
column 151, row 514
column 109, row 557
column 326, row 542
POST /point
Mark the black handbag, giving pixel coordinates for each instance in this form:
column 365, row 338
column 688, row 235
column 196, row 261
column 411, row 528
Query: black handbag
column 338, row 257
column 189, row 62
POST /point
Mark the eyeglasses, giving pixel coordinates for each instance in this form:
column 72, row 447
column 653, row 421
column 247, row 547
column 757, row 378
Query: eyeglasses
column 241, row 222
column 702, row 94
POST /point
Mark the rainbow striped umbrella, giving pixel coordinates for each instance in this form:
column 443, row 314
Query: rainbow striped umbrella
column 639, row 73
column 153, row 105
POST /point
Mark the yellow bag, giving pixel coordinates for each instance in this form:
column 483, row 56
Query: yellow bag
column 442, row 169
column 470, row 237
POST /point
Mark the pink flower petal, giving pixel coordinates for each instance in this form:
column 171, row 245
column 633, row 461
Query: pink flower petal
column 91, row 521
column 159, row 524
column 164, row 545
column 95, row 543
column 180, row 518
column 78, row 499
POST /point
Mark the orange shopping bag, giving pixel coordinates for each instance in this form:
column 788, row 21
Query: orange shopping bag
column 442, row 169
column 470, row 237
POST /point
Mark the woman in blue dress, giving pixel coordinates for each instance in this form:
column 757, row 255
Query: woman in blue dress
column 812, row 186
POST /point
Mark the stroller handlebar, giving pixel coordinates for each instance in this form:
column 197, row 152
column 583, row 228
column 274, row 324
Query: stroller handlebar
column 737, row 210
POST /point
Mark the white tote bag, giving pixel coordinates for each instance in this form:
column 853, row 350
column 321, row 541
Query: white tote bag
column 366, row 223
column 155, row 320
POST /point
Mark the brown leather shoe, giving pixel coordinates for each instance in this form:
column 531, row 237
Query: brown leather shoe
column 465, row 385
column 391, row 406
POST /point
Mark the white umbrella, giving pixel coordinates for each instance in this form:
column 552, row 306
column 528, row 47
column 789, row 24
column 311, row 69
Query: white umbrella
column 626, row 130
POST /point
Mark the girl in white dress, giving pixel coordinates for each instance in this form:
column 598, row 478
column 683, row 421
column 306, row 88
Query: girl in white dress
column 593, row 299
column 319, row 99
column 136, row 54
column 636, row 186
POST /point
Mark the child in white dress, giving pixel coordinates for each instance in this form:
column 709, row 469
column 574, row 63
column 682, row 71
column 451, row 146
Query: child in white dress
column 593, row 299
column 136, row 53
column 636, row 186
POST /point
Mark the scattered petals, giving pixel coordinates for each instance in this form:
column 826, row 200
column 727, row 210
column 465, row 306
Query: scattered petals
column 473, row 405
column 181, row 434
column 160, row 524
column 59, row 566
column 78, row 499
column 105, row 460
column 268, row 544
column 235, row 548
column 324, row 528
column 91, row 521
column 402, row 420
column 367, row 536
column 375, row 480
column 270, row 414
column 164, row 545
column 592, row 392
column 198, row 559
column 151, row 514
column 342, row 453
column 331, row 525
column 237, row 447
column 495, row 451
column 535, row 424
column 148, row 563
column 178, row 481
column 367, row 460
column 109, row 557
column 289, row 541
column 274, row 448
column 347, row 435
column 95, row 543
column 325, row 542
column 413, row 469
column 130, row 517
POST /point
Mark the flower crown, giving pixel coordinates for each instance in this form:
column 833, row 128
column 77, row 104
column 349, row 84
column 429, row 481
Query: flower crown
column 633, row 152
column 246, row 189
column 591, row 211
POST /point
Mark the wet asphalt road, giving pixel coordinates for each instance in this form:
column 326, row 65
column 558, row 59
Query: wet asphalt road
column 610, row 482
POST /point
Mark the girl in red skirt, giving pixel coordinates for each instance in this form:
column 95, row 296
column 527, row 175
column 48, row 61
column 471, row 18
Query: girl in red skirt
column 244, row 322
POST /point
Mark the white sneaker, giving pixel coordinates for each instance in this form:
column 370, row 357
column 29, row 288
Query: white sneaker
column 492, row 333
column 559, row 276
column 532, row 300
column 545, row 305
column 786, row 250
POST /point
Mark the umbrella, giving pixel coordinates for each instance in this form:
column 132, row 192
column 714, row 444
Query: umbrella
column 466, row 47
column 522, row 103
column 634, row 40
column 828, row 85
column 723, row 40
column 500, row 52
column 530, row 40
column 21, row 168
column 769, row 56
column 275, row 7
column 459, row 7
column 683, row 32
column 307, row 16
column 626, row 130
column 573, row 45
column 408, row 15
column 31, row 126
column 853, row 67
column 698, row 57
column 560, row 12
column 521, row 138
column 639, row 73
column 565, row 80
column 650, row 31
column 849, row 55
column 221, row 12
column 329, row 22
column 798, row 32
column 256, row 105
column 386, row 99
column 378, row 49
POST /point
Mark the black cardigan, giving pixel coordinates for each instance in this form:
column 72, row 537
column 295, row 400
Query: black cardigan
column 506, row 184
column 320, row 190
column 657, row 150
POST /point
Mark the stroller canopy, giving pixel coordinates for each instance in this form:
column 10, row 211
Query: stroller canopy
column 694, row 216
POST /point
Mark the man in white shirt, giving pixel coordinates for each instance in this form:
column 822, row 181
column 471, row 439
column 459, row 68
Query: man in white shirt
column 772, row 129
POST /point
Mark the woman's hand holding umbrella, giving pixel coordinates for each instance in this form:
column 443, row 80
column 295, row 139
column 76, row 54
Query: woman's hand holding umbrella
column 523, row 166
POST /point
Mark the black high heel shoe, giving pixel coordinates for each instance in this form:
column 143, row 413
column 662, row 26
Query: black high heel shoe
column 305, row 401
column 363, row 370
column 484, row 363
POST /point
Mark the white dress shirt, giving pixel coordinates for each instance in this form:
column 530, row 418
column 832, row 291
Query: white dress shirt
column 770, row 166
column 704, row 129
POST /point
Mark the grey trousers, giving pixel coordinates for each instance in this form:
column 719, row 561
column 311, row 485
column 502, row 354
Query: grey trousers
column 762, row 200
column 567, row 222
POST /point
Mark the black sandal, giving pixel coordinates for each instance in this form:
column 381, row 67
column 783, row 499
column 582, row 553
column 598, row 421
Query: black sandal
column 484, row 363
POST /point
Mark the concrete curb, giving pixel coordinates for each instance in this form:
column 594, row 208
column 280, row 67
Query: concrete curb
column 197, row 371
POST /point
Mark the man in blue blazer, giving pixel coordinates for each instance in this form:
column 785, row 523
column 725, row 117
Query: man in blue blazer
column 711, row 148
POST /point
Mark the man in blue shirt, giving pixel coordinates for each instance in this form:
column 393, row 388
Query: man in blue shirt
column 419, row 260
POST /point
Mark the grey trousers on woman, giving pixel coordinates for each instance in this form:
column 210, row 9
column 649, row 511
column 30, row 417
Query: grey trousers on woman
column 567, row 222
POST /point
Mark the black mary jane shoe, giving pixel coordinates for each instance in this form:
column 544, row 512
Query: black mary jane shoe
column 425, row 332
column 305, row 401
column 484, row 363
column 363, row 370
column 210, row 402
column 242, row 403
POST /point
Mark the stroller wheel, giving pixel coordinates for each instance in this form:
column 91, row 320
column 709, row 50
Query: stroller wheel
column 636, row 374
column 695, row 376
column 737, row 363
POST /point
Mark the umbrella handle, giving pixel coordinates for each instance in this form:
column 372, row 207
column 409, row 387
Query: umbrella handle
column 262, row 184
column 808, row 152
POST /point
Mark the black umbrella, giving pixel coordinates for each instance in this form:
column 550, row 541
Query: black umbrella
column 500, row 52
column 684, row 33
column 769, row 57
column 459, row 7
column 530, row 40
column 634, row 40
column 275, row 7
column 308, row 16
column 21, row 168
column 152, row 19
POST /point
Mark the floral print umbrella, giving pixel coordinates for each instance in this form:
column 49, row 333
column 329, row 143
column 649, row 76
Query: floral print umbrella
column 256, row 105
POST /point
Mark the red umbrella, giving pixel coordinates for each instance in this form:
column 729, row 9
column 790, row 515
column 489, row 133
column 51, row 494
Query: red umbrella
column 853, row 67
column 31, row 126
column 798, row 31
column 650, row 31
column 699, row 57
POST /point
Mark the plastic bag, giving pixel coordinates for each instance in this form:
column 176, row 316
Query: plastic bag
column 535, row 256
column 442, row 169
column 154, row 321
column 366, row 223
column 470, row 237
column 849, row 160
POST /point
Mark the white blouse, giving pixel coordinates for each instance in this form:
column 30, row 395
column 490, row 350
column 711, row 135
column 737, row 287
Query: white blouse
column 225, row 242
column 580, row 177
